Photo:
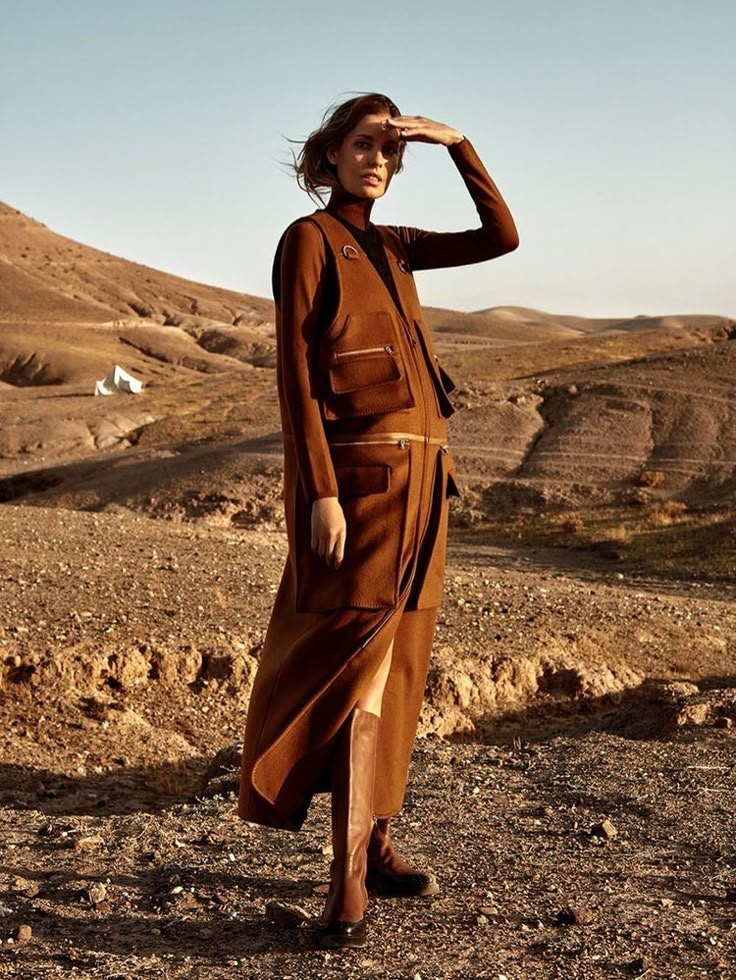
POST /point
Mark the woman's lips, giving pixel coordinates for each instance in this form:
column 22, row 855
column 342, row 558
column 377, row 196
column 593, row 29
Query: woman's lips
column 375, row 181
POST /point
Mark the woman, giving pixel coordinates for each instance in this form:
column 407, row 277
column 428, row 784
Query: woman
column 367, row 476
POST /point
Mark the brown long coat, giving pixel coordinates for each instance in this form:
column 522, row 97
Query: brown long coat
column 364, row 407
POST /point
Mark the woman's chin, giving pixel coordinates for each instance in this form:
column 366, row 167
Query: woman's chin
column 370, row 192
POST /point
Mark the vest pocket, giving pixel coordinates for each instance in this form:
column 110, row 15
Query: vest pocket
column 359, row 481
column 373, row 482
column 362, row 369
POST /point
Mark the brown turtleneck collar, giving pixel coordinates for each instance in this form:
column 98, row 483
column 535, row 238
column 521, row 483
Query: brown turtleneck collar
column 350, row 207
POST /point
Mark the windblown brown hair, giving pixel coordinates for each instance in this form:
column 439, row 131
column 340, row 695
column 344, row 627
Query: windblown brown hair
column 311, row 167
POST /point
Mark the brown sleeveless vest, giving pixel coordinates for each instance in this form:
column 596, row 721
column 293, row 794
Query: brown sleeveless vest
column 384, row 402
column 361, row 362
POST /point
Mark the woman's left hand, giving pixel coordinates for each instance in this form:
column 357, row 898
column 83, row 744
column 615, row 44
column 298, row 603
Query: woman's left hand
column 422, row 130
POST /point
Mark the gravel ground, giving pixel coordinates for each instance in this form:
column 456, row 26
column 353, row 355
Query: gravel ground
column 127, row 650
column 186, row 890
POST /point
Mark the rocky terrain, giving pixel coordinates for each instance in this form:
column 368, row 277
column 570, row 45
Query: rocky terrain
column 574, row 776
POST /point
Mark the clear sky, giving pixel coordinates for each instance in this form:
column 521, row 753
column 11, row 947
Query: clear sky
column 155, row 129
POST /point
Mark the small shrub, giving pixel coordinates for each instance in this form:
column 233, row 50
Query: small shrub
column 651, row 478
column 666, row 512
column 673, row 507
column 573, row 524
column 619, row 534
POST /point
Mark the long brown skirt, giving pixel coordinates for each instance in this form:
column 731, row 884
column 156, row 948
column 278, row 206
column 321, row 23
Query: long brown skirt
column 315, row 666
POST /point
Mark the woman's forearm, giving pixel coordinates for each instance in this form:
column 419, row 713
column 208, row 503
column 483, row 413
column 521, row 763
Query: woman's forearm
column 497, row 233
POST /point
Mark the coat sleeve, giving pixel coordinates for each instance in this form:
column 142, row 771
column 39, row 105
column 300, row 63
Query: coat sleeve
column 299, row 300
column 496, row 235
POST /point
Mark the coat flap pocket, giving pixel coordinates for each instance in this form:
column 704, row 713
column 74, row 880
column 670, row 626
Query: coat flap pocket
column 364, row 367
column 358, row 481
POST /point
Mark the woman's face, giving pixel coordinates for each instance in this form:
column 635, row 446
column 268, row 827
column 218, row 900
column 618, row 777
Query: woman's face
column 368, row 156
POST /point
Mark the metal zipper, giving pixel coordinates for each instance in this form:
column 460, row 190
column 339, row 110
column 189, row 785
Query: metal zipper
column 388, row 348
column 401, row 443
column 400, row 438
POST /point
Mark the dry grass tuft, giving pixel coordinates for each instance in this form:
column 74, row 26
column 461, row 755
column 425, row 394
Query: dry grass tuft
column 619, row 534
column 572, row 524
column 651, row 478
column 667, row 512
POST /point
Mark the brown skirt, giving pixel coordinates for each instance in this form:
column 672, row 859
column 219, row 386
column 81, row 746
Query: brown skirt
column 314, row 666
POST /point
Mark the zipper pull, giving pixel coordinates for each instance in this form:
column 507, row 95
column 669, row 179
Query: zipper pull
column 402, row 443
column 389, row 348
column 445, row 448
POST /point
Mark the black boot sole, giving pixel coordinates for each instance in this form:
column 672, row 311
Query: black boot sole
column 405, row 886
column 333, row 936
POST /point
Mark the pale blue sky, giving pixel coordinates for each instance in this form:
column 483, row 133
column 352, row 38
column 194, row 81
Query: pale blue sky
column 154, row 129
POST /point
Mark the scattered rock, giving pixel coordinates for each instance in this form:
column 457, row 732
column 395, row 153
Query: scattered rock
column 676, row 692
column 285, row 915
column 89, row 843
column 604, row 829
column 577, row 915
column 95, row 893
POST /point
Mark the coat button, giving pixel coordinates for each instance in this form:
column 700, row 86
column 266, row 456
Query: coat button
column 403, row 265
column 350, row 252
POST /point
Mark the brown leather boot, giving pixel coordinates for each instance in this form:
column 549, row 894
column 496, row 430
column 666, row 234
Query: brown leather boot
column 353, row 771
column 388, row 873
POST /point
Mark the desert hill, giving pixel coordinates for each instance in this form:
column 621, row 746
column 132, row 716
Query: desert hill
column 101, row 302
column 67, row 311
column 45, row 276
column 555, row 411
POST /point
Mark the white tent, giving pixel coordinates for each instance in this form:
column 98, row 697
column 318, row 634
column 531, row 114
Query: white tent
column 118, row 381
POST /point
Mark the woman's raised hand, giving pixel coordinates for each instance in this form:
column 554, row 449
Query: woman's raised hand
column 423, row 130
column 328, row 530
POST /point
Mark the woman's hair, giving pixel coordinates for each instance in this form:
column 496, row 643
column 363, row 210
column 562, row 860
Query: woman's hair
column 312, row 168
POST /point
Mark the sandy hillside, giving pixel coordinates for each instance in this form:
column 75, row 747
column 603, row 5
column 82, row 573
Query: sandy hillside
column 582, row 670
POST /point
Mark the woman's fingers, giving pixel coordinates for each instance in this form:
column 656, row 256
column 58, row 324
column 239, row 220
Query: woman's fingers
column 339, row 550
column 328, row 531
column 330, row 546
column 423, row 129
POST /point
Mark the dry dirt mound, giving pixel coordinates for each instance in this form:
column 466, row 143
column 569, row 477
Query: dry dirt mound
column 104, row 603
column 598, row 434
column 658, row 428
column 238, row 485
